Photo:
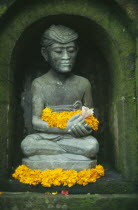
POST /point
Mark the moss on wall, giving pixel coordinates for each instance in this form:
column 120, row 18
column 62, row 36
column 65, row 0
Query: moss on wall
column 130, row 7
column 3, row 9
column 38, row 201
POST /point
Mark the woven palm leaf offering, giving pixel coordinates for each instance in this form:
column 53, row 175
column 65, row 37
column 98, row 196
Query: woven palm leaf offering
column 60, row 119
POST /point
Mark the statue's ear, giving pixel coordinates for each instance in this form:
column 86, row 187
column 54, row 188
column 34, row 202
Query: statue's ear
column 44, row 53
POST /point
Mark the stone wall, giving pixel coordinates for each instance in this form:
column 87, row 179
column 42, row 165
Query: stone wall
column 115, row 26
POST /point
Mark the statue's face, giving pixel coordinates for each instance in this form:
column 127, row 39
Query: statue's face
column 61, row 56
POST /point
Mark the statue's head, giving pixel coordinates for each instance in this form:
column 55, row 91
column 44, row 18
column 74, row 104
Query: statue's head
column 59, row 47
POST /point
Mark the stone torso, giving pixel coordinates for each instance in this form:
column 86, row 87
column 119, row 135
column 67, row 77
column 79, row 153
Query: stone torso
column 55, row 93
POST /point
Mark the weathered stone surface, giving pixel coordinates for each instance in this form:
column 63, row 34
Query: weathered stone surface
column 88, row 146
column 46, row 154
column 39, row 201
column 41, row 144
column 64, row 161
column 59, row 157
column 48, row 144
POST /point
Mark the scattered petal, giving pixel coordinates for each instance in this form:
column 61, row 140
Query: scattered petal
column 54, row 193
column 64, row 192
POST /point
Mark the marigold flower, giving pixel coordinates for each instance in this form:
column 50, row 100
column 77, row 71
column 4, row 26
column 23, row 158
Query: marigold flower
column 60, row 119
column 57, row 176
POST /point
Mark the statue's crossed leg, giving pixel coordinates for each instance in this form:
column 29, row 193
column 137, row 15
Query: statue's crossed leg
column 58, row 151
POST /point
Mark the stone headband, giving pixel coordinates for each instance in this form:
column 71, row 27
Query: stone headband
column 58, row 33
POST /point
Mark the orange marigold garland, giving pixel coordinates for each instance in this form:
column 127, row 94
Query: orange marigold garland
column 27, row 175
column 57, row 176
column 60, row 119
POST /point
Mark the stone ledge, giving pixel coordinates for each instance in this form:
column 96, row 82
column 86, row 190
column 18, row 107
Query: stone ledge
column 41, row 201
column 111, row 183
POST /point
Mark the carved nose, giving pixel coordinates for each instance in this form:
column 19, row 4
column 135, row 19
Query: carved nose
column 65, row 55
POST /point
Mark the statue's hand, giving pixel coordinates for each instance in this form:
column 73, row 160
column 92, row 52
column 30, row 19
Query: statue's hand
column 77, row 127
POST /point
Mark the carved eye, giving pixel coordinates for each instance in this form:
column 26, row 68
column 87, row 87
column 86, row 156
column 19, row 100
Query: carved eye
column 58, row 50
column 71, row 49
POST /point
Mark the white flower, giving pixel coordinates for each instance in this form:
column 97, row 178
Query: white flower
column 86, row 112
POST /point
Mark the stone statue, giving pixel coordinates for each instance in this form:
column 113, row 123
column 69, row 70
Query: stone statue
column 60, row 90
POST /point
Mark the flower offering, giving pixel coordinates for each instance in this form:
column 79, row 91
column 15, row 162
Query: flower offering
column 60, row 119
column 57, row 176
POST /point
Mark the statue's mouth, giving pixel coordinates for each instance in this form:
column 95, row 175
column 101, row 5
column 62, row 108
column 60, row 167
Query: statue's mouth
column 66, row 64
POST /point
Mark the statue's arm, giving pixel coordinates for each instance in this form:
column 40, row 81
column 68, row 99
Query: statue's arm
column 37, row 106
column 87, row 97
column 77, row 125
column 79, row 128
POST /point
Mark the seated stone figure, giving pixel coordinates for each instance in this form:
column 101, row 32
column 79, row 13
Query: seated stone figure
column 60, row 90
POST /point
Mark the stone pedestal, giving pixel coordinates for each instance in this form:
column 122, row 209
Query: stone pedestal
column 64, row 161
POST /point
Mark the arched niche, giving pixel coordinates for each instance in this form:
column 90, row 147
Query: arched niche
column 111, row 51
column 28, row 63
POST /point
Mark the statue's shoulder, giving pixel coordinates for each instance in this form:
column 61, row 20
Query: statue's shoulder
column 82, row 81
column 38, row 82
